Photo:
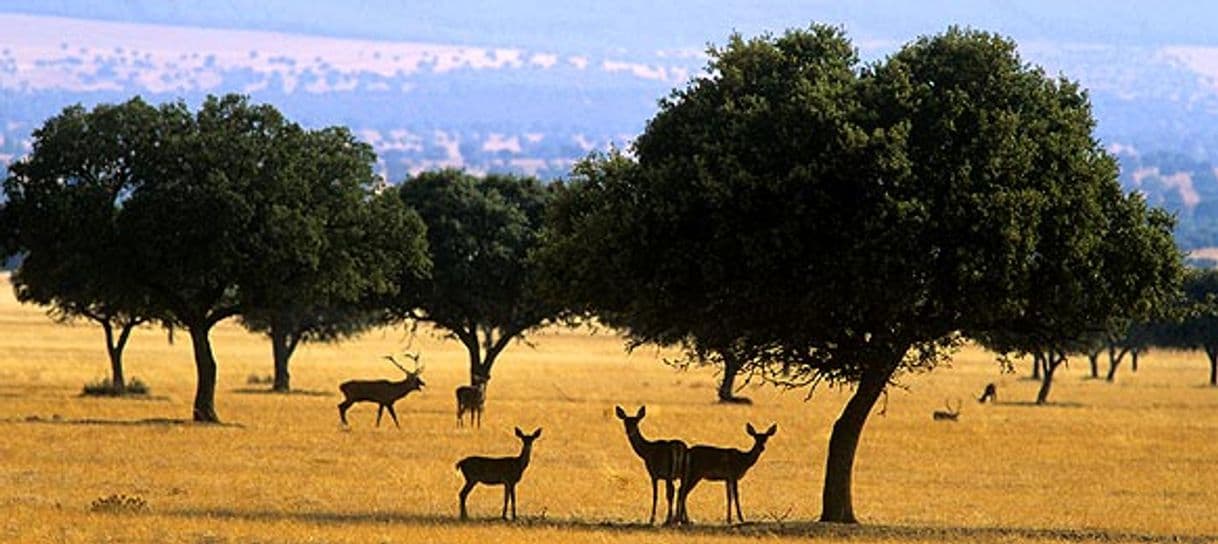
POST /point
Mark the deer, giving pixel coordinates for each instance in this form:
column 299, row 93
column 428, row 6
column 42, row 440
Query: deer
column 472, row 399
column 505, row 471
column 727, row 465
column 950, row 414
column 990, row 394
column 664, row 459
column 383, row 392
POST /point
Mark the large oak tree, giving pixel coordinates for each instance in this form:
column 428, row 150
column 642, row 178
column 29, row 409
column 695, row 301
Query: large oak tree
column 834, row 222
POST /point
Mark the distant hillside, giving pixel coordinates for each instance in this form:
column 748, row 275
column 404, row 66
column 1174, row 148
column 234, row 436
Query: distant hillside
column 453, row 91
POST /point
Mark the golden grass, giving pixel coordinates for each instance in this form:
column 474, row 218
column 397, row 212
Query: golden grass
column 1127, row 461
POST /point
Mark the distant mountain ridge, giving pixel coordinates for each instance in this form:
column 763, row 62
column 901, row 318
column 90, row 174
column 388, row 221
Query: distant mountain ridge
column 538, row 106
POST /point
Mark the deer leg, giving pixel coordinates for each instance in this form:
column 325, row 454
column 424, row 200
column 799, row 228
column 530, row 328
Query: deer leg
column 460, row 413
column 668, row 488
column 380, row 409
column 507, row 492
column 342, row 411
column 654, row 492
column 394, row 415
column 687, row 485
column 478, row 414
column 727, row 486
column 469, row 486
column 513, row 503
column 736, row 493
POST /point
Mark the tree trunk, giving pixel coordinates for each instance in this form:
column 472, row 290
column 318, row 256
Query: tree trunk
column 836, row 500
column 117, row 380
column 1093, row 357
column 1133, row 360
column 1051, row 363
column 205, row 366
column 727, row 386
column 281, row 351
column 1114, row 360
column 1212, row 353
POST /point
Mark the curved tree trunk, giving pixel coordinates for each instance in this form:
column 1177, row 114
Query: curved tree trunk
column 1052, row 361
column 727, row 386
column 1115, row 357
column 205, row 366
column 1036, row 365
column 836, row 499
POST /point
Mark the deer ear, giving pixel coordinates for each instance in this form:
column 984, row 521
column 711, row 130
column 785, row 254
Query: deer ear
column 748, row 427
column 621, row 414
column 519, row 433
column 537, row 433
column 773, row 429
column 642, row 411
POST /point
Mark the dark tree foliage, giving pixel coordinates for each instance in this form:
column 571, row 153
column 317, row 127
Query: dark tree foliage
column 64, row 199
column 482, row 234
column 831, row 222
column 336, row 248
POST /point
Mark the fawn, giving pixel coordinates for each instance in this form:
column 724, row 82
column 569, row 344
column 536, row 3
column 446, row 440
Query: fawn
column 382, row 392
column 505, row 471
column 720, row 464
column 472, row 398
column 663, row 458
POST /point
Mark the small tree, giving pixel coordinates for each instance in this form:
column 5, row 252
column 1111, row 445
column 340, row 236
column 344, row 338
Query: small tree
column 1195, row 325
column 338, row 248
column 482, row 233
column 64, row 199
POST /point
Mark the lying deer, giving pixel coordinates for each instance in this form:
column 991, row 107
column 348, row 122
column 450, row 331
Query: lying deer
column 663, row 458
column 505, row 471
column 472, row 398
column 950, row 414
column 383, row 392
column 727, row 465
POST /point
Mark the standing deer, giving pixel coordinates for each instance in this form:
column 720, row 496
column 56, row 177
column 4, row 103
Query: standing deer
column 383, row 392
column 663, row 458
column 472, row 398
column 951, row 414
column 505, row 471
column 727, row 465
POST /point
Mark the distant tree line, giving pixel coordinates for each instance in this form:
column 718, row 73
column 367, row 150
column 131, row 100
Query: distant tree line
column 792, row 214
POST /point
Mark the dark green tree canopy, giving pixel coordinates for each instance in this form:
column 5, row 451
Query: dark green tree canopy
column 842, row 222
column 482, row 233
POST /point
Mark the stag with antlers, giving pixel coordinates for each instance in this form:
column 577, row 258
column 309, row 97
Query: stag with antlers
column 383, row 392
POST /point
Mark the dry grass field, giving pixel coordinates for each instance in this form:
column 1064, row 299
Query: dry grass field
column 1131, row 461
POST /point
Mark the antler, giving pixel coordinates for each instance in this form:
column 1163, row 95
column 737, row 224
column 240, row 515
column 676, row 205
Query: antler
column 395, row 363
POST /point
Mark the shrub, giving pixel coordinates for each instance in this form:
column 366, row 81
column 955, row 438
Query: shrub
column 119, row 503
column 105, row 388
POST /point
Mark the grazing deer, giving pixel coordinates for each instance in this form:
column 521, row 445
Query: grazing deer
column 505, row 471
column 472, row 399
column 990, row 394
column 727, row 465
column 664, row 459
column 383, row 392
column 950, row 414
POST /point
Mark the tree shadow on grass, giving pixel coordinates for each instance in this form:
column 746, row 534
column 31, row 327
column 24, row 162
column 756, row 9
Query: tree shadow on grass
column 291, row 393
column 56, row 419
column 1032, row 404
column 767, row 529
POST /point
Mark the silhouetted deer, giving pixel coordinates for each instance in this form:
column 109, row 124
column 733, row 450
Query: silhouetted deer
column 382, row 392
column 727, row 465
column 505, row 471
column 472, row 399
column 990, row 394
column 664, row 459
column 950, row 414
